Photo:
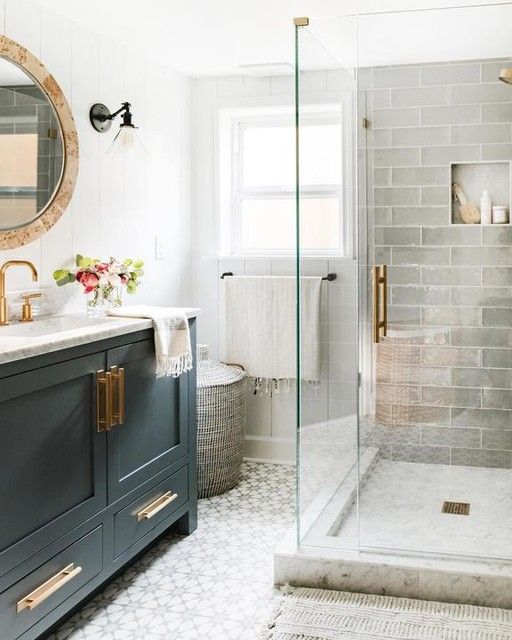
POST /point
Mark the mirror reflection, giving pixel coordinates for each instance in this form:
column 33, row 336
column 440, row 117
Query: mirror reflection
column 31, row 148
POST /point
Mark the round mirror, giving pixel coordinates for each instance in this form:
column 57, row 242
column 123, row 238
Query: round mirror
column 31, row 149
column 38, row 147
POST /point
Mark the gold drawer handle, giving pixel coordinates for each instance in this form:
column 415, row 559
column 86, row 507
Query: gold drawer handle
column 104, row 414
column 52, row 585
column 110, row 398
column 118, row 402
column 156, row 506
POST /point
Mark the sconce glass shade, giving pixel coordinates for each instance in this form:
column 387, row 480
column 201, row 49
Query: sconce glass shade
column 127, row 143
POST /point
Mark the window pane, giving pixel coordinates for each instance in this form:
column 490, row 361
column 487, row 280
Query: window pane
column 269, row 224
column 268, row 156
column 320, row 154
column 320, row 223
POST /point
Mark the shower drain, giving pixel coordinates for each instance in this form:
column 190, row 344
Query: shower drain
column 457, row 508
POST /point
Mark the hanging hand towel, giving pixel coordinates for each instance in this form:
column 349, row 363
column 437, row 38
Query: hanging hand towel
column 172, row 337
column 261, row 328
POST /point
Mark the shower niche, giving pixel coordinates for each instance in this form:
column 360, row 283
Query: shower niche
column 475, row 177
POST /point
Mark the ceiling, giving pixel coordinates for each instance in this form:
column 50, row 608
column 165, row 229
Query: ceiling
column 214, row 37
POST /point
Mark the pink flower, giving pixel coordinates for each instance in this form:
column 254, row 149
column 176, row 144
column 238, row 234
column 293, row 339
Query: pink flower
column 102, row 267
column 88, row 280
column 124, row 278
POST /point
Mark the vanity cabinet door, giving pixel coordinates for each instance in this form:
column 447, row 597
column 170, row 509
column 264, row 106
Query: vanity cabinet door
column 52, row 459
column 154, row 434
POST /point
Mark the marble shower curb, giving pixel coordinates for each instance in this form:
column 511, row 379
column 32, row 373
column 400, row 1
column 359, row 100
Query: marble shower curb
column 465, row 581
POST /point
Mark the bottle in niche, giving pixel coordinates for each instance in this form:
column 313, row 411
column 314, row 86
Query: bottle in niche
column 486, row 208
column 500, row 214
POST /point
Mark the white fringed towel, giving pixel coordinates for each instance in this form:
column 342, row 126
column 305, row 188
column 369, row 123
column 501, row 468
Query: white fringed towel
column 261, row 328
column 172, row 337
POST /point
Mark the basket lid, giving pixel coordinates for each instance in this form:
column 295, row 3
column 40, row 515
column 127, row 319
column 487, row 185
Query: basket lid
column 211, row 373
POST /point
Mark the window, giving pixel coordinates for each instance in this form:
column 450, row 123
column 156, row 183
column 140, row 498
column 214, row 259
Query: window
column 257, row 182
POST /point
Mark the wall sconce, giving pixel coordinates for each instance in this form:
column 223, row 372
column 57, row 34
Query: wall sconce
column 127, row 141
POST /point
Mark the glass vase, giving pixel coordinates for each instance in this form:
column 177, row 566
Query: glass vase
column 102, row 299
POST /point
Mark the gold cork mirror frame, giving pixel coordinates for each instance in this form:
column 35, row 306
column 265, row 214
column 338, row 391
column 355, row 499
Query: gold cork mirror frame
column 48, row 216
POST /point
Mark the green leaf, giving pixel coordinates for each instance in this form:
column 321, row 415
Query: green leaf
column 138, row 264
column 139, row 272
column 60, row 274
column 127, row 262
column 67, row 279
column 83, row 261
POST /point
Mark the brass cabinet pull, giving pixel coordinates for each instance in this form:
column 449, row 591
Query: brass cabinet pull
column 380, row 301
column 118, row 396
column 104, row 416
column 156, row 506
column 110, row 398
column 52, row 585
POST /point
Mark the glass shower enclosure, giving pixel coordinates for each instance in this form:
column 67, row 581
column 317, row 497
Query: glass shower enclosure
column 404, row 448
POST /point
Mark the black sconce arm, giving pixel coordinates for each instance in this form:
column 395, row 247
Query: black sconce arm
column 101, row 118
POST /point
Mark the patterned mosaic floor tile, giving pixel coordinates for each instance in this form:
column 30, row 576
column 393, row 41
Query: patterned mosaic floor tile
column 215, row 584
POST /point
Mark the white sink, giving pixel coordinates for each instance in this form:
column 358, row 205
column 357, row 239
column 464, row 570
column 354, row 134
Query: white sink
column 48, row 326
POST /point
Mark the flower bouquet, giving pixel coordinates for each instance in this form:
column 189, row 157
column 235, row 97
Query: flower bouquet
column 102, row 281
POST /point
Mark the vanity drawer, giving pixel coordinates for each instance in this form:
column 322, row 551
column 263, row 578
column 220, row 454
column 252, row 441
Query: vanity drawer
column 151, row 508
column 36, row 595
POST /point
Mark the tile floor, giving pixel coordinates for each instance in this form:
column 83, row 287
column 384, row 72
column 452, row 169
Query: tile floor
column 214, row 584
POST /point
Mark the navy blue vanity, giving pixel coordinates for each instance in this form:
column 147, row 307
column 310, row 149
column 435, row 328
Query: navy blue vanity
column 97, row 459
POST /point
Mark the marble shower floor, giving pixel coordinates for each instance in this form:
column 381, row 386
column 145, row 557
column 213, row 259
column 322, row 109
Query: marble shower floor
column 401, row 502
column 216, row 583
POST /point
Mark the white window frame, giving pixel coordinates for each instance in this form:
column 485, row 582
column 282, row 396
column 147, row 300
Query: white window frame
column 231, row 194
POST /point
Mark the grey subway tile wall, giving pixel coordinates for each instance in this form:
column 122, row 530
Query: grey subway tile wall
column 447, row 391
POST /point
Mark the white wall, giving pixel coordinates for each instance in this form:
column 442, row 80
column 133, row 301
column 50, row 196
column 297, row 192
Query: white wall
column 271, row 422
column 118, row 206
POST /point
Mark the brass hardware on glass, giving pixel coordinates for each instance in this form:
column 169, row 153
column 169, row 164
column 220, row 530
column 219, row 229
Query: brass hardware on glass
column 4, row 317
column 26, row 309
column 380, row 301
column 301, row 22
column 104, row 417
column 118, row 397
column 156, row 506
column 39, row 595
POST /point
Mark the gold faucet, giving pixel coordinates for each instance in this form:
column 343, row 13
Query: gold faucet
column 4, row 318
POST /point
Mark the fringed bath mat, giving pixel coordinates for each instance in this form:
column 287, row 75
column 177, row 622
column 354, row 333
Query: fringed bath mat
column 316, row 614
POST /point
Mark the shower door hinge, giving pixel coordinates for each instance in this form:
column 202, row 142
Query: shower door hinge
column 365, row 123
column 301, row 22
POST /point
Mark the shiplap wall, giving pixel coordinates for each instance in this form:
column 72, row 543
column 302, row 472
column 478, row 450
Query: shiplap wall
column 271, row 422
column 119, row 206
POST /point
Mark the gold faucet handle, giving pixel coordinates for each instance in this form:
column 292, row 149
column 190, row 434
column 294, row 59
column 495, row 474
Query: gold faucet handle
column 26, row 310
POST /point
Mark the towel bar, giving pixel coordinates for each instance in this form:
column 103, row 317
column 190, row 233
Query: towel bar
column 329, row 277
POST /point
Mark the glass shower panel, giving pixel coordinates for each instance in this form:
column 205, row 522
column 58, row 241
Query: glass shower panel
column 436, row 425
column 326, row 95
column 418, row 460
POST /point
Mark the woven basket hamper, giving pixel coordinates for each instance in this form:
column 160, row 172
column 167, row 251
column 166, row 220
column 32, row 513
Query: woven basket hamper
column 399, row 373
column 221, row 411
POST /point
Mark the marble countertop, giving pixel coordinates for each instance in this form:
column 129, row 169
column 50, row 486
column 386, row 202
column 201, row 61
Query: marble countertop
column 53, row 333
